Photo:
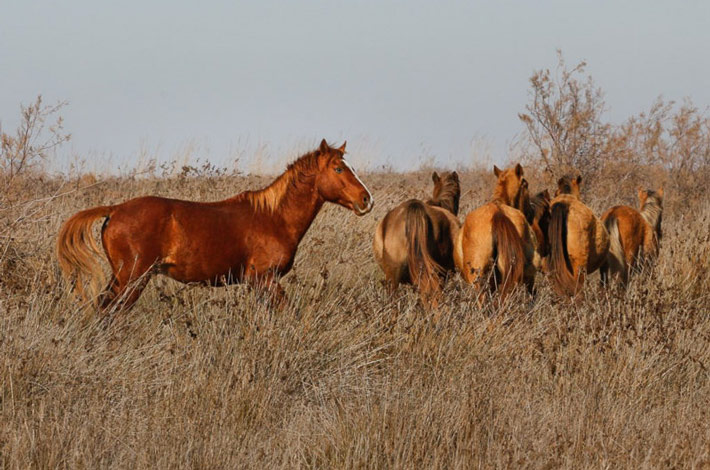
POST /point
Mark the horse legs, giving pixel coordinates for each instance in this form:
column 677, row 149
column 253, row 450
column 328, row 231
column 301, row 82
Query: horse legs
column 393, row 276
column 529, row 278
column 268, row 285
column 430, row 294
column 604, row 275
column 126, row 286
column 579, row 275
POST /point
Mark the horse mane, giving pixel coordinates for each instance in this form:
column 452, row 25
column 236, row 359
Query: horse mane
column 499, row 194
column 652, row 211
column 449, row 194
column 538, row 205
column 270, row 198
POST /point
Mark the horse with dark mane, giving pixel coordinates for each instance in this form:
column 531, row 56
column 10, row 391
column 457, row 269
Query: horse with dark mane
column 250, row 238
column 414, row 242
column 634, row 234
column 496, row 245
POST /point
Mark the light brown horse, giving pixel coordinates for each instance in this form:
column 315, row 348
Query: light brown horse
column 634, row 236
column 496, row 245
column 249, row 238
column 414, row 242
column 579, row 242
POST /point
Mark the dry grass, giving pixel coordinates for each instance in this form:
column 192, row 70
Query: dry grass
column 348, row 376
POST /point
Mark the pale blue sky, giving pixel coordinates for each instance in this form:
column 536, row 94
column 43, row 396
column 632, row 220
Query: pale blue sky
column 398, row 79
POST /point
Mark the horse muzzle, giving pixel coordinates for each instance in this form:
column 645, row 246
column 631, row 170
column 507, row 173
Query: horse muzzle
column 367, row 205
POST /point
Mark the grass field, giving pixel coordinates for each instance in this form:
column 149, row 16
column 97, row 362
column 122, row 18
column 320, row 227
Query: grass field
column 349, row 376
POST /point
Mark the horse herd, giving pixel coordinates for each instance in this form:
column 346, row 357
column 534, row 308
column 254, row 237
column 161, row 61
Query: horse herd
column 252, row 237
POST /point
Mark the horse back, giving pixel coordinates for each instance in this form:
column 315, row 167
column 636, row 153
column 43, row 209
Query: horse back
column 190, row 241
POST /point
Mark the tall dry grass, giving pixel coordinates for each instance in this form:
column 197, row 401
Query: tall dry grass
column 349, row 376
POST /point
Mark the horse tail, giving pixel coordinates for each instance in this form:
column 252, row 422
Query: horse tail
column 424, row 271
column 560, row 264
column 616, row 257
column 508, row 252
column 78, row 253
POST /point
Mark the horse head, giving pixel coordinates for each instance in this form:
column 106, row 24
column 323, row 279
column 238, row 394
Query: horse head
column 447, row 191
column 511, row 187
column 337, row 181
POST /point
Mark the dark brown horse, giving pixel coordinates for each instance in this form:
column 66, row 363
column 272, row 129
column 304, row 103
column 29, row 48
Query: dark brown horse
column 537, row 213
column 569, row 185
column 249, row 238
column 634, row 235
column 414, row 242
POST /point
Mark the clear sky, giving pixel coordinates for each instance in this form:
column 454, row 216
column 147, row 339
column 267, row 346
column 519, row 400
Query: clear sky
column 400, row 80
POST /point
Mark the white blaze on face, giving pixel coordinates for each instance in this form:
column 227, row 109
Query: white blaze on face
column 352, row 170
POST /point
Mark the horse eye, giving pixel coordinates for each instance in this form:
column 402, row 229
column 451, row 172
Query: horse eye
column 338, row 170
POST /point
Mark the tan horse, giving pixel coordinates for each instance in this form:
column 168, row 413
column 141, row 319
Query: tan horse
column 579, row 242
column 496, row 245
column 414, row 242
column 634, row 236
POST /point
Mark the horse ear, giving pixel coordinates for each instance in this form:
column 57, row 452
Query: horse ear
column 435, row 177
column 497, row 171
column 455, row 176
column 324, row 147
column 642, row 194
column 518, row 170
column 579, row 180
column 660, row 191
column 546, row 195
column 342, row 147
column 560, row 182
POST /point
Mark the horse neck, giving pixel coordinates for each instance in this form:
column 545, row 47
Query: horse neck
column 652, row 213
column 448, row 203
column 500, row 196
column 299, row 207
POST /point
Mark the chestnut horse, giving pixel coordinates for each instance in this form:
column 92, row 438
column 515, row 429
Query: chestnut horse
column 414, row 242
column 496, row 237
column 250, row 238
column 634, row 236
column 579, row 242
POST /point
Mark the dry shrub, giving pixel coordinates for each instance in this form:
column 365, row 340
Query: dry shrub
column 567, row 133
column 32, row 143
